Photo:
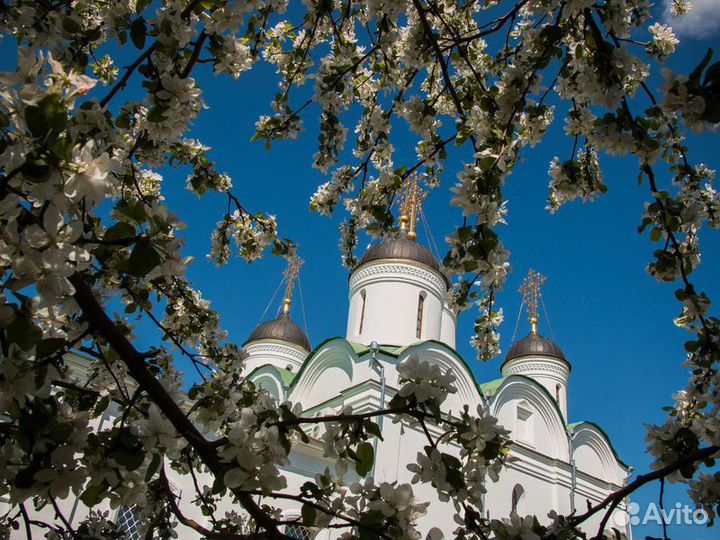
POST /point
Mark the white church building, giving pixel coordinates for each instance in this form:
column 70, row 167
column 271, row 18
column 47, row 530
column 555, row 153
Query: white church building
column 397, row 307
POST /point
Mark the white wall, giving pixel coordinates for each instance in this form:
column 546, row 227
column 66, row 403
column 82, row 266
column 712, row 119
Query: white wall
column 391, row 290
column 448, row 327
column 552, row 373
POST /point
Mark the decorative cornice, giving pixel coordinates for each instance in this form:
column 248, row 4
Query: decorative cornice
column 521, row 366
column 277, row 347
column 399, row 266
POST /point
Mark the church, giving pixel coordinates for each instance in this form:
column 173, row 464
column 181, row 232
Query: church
column 398, row 307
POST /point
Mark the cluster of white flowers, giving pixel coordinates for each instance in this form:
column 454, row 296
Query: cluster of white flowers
column 663, row 41
column 251, row 234
column 424, row 381
column 254, row 449
column 580, row 178
column 172, row 108
column 486, row 208
column 680, row 7
column 469, row 253
column 105, row 70
column 678, row 97
column 482, row 449
column 533, row 125
column 395, row 506
column 705, row 491
column 517, row 528
column 149, row 184
column 328, row 194
column 598, row 78
column 234, row 57
column 486, row 338
column 421, row 121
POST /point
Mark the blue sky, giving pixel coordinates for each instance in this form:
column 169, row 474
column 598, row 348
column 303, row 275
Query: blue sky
column 612, row 320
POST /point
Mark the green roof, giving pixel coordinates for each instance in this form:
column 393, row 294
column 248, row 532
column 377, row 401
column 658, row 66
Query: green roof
column 489, row 388
column 287, row 376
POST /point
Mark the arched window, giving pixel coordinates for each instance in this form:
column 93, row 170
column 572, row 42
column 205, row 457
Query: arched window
column 299, row 532
column 518, row 496
column 128, row 522
column 421, row 306
column 362, row 312
column 557, row 393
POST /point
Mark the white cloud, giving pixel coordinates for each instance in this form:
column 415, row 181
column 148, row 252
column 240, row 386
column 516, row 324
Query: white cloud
column 702, row 20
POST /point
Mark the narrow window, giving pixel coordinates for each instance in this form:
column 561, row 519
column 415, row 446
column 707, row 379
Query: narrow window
column 362, row 312
column 518, row 493
column 557, row 393
column 421, row 303
column 299, row 532
column 129, row 523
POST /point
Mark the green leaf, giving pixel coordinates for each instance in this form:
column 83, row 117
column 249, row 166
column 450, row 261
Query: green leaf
column 143, row 259
column 695, row 75
column 48, row 116
column 36, row 170
column 308, row 514
column 23, row 333
column 138, row 32
column 59, row 431
column 131, row 459
column 71, row 25
column 140, row 5
column 119, row 231
column 655, row 234
column 102, row 405
column 156, row 115
column 24, row 477
column 365, row 457
column 372, row 428
column 712, row 75
column 134, row 210
column 48, row 347
column 153, row 467
column 92, row 495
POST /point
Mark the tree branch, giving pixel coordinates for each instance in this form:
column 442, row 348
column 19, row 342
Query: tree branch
column 614, row 498
column 135, row 363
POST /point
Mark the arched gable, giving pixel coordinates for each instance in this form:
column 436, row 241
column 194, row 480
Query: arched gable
column 524, row 406
column 441, row 355
column 594, row 454
column 328, row 369
column 269, row 378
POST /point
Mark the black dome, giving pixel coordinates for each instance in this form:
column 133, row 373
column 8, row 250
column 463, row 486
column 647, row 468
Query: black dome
column 535, row 345
column 401, row 247
column 282, row 329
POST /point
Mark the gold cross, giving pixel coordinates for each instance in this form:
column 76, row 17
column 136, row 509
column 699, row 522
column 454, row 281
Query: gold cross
column 410, row 207
column 291, row 274
column 530, row 290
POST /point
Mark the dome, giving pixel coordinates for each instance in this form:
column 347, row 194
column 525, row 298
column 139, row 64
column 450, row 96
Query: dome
column 535, row 345
column 281, row 329
column 401, row 247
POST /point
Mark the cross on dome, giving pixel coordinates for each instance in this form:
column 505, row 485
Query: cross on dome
column 532, row 296
column 291, row 274
column 410, row 207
